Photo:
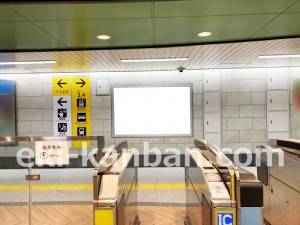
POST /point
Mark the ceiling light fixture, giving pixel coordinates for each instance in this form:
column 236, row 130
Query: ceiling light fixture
column 103, row 37
column 28, row 63
column 204, row 34
column 277, row 56
column 154, row 60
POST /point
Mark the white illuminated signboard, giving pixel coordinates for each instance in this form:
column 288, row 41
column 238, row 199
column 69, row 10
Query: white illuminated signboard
column 153, row 110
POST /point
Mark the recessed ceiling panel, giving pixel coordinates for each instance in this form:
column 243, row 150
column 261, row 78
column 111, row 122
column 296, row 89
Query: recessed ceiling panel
column 225, row 28
column 286, row 25
column 24, row 35
column 294, row 8
column 83, row 33
column 7, row 15
column 37, row 12
column 219, row 7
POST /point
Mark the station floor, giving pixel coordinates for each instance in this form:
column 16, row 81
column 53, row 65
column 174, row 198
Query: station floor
column 160, row 186
column 82, row 215
column 64, row 196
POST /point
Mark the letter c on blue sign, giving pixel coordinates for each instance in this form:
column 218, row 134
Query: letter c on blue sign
column 225, row 219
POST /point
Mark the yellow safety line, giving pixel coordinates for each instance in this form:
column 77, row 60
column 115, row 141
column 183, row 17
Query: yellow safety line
column 80, row 187
column 47, row 187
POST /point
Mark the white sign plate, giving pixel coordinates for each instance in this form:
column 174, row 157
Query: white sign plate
column 62, row 114
column 51, row 153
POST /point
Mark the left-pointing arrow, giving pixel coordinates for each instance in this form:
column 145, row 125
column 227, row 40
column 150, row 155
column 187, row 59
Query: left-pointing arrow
column 60, row 83
column 60, row 102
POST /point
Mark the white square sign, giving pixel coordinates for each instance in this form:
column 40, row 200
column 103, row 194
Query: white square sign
column 51, row 153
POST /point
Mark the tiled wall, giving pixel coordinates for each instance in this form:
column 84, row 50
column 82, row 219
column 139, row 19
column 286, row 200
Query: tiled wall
column 34, row 106
column 243, row 106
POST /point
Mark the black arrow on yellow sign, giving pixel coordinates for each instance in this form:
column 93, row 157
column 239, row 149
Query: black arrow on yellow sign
column 60, row 83
column 82, row 83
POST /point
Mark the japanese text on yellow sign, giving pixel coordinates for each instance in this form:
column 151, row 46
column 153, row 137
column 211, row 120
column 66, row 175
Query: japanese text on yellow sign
column 61, row 86
column 81, row 109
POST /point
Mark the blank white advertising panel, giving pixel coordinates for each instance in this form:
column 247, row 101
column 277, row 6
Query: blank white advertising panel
column 152, row 110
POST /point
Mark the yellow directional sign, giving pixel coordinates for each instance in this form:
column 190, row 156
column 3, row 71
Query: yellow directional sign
column 62, row 120
column 81, row 109
column 61, row 86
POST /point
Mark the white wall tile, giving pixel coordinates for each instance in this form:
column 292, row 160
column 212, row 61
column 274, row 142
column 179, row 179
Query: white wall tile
column 259, row 85
column 230, row 86
column 197, row 135
column 23, row 126
column 198, row 124
column 224, row 99
column 129, row 140
column 23, row 102
column 260, row 123
column 107, row 125
column 106, row 101
column 236, row 74
column 29, row 90
column 197, row 112
column 47, row 114
column 253, row 111
column 40, row 78
column 235, row 146
column 96, row 101
column 197, row 87
column 157, row 140
column 30, row 114
column 97, row 125
column 238, row 99
column 41, row 126
column 230, row 136
column 253, row 136
column 197, row 99
column 224, row 124
column 179, row 140
column 258, row 74
column 47, row 90
column 101, row 113
column 239, row 123
column 230, row 111
column 41, row 102
column 259, row 98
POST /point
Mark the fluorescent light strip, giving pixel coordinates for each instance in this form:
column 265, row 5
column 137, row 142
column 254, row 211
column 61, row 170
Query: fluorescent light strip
column 154, row 60
column 28, row 63
column 277, row 56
